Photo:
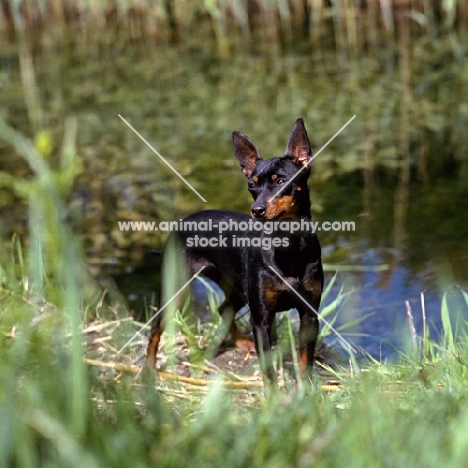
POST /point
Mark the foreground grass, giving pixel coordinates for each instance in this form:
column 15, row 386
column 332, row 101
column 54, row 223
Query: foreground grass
column 54, row 411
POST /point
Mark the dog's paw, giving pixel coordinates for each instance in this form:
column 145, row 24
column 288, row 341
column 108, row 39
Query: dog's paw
column 246, row 345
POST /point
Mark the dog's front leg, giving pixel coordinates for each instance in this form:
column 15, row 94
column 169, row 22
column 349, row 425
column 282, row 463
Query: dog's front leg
column 308, row 308
column 308, row 334
column 261, row 329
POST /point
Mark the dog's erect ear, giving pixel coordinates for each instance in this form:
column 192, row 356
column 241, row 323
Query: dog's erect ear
column 298, row 144
column 245, row 152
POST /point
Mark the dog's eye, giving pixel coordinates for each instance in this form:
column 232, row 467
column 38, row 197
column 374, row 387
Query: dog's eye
column 252, row 185
column 280, row 181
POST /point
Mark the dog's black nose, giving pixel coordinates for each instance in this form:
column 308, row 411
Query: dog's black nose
column 258, row 211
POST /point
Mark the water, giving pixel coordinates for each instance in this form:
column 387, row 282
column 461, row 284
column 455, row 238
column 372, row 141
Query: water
column 399, row 171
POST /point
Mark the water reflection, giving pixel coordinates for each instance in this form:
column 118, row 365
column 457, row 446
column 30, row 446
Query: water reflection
column 399, row 171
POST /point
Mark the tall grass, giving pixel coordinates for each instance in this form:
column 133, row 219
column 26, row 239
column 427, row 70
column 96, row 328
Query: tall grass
column 348, row 24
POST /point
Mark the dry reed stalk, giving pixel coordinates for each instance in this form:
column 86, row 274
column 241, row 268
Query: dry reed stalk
column 414, row 336
column 423, row 311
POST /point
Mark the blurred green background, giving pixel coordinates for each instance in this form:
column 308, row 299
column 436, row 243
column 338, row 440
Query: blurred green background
column 187, row 73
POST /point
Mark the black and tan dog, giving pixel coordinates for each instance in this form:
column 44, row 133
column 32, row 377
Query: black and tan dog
column 250, row 265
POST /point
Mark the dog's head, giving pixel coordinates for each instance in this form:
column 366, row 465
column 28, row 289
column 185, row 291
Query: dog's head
column 278, row 185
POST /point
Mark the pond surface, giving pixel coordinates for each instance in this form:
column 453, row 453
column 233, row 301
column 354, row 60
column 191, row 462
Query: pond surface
column 399, row 170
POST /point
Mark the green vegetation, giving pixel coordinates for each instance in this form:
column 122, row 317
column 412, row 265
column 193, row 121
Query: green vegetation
column 67, row 396
column 56, row 409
